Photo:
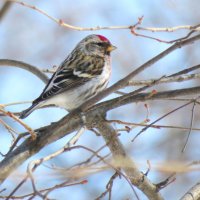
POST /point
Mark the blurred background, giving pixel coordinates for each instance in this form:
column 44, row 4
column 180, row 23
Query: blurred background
column 28, row 36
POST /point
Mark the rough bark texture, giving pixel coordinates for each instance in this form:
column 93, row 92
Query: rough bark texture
column 137, row 178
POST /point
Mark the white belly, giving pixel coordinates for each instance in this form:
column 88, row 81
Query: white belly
column 72, row 99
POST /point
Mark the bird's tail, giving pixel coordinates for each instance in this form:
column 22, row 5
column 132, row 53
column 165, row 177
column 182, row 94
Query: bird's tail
column 28, row 111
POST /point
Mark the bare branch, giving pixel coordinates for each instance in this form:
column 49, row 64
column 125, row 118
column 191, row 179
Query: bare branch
column 185, row 71
column 125, row 162
column 9, row 129
column 108, row 187
column 58, row 186
column 4, row 9
column 30, row 147
column 123, row 82
column 157, row 126
column 94, row 118
column 191, row 126
column 165, row 115
column 11, row 115
column 66, row 25
column 166, row 182
column 77, row 28
column 193, row 193
column 35, row 70
column 72, row 122
column 14, row 103
column 170, row 79
column 129, row 98
column 169, row 29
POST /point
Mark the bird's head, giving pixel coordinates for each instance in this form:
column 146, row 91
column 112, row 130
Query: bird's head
column 96, row 45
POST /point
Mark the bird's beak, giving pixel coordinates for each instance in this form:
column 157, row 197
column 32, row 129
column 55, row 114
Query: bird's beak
column 111, row 48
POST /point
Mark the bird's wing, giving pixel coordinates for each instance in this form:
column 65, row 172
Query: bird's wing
column 68, row 77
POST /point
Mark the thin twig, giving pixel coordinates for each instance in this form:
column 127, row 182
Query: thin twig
column 171, row 79
column 185, row 71
column 35, row 163
column 90, row 158
column 191, row 127
column 108, row 187
column 14, row 103
column 22, row 135
column 176, row 77
column 157, row 126
column 50, row 189
column 169, row 29
column 16, row 188
column 10, row 129
column 166, row 182
column 174, row 110
column 64, row 24
column 195, row 28
column 30, row 130
column 124, row 161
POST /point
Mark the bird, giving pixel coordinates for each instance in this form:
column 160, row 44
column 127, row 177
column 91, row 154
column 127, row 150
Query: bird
column 82, row 75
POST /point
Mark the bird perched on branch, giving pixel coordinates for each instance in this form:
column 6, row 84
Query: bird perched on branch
column 81, row 76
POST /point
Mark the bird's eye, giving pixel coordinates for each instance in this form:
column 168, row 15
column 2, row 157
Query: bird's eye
column 100, row 44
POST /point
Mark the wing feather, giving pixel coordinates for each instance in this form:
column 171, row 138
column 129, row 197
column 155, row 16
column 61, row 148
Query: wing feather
column 68, row 76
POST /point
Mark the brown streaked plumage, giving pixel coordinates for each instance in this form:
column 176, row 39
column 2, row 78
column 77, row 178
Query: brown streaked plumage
column 83, row 74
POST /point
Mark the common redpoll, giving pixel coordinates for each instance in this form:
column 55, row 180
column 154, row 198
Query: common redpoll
column 82, row 75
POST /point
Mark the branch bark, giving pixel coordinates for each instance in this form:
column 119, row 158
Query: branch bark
column 193, row 193
column 4, row 9
column 180, row 78
column 123, row 161
column 123, row 82
column 72, row 122
column 33, row 69
column 134, row 98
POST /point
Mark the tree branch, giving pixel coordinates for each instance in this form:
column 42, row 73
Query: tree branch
column 132, row 98
column 125, row 162
column 35, row 70
column 45, row 136
column 5, row 9
column 72, row 122
column 193, row 193
column 170, row 79
column 77, row 28
column 123, row 82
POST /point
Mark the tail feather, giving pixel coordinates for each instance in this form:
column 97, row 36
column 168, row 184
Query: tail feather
column 28, row 111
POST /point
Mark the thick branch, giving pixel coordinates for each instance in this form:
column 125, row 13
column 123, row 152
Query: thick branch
column 45, row 136
column 72, row 122
column 193, row 193
column 125, row 162
column 132, row 98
